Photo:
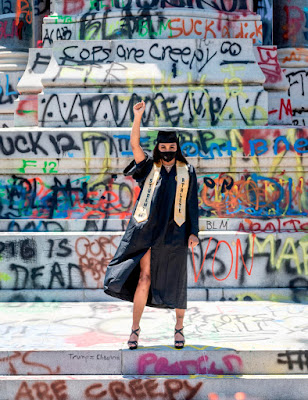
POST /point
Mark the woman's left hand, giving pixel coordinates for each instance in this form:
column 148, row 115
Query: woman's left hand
column 193, row 241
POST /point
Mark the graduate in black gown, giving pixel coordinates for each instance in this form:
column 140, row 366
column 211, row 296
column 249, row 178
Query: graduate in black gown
column 150, row 264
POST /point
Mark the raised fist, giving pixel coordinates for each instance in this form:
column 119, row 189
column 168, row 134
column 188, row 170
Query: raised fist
column 139, row 108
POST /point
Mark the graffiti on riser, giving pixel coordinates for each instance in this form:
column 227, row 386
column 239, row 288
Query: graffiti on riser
column 247, row 225
column 139, row 26
column 230, row 195
column 233, row 57
column 248, row 148
column 198, row 107
column 81, row 225
column 80, row 261
column 86, row 6
column 194, row 387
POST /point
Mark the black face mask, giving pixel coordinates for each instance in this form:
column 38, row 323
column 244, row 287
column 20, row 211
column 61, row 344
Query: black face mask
column 167, row 155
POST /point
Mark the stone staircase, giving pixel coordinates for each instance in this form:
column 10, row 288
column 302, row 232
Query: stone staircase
column 246, row 323
column 239, row 108
column 235, row 350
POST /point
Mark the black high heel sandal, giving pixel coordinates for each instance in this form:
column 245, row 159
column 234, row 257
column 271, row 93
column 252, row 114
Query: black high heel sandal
column 179, row 341
column 134, row 341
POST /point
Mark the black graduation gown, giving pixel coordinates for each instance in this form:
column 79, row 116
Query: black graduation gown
column 168, row 242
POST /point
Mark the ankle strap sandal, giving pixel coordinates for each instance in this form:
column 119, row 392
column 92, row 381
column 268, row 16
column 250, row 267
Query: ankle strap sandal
column 181, row 342
column 134, row 342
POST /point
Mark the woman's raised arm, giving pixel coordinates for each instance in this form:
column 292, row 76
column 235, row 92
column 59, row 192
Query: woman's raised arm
column 135, row 132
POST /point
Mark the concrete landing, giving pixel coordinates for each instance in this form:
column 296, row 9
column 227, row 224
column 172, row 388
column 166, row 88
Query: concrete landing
column 89, row 387
column 283, row 295
column 222, row 339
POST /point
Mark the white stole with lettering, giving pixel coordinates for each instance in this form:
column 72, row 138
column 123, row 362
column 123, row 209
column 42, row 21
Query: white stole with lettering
column 182, row 178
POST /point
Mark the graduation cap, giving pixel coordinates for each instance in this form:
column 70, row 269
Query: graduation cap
column 167, row 137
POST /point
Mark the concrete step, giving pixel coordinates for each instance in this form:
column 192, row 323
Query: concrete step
column 97, row 93
column 52, row 151
column 171, row 24
column 70, row 70
column 221, row 339
column 251, row 194
column 215, row 7
column 297, row 294
column 274, row 225
column 117, row 387
column 139, row 62
column 216, row 108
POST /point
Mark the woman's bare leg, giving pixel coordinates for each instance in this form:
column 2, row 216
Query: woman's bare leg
column 179, row 322
column 142, row 291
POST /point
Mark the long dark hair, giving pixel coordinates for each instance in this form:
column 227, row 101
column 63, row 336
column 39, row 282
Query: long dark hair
column 178, row 155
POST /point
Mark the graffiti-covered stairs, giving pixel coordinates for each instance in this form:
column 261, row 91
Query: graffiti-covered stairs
column 246, row 323
column 234, row 350
column 66, row 204
column 238, row 101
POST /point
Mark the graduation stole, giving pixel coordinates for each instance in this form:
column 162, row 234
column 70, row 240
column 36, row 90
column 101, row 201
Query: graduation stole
column 182, row 178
